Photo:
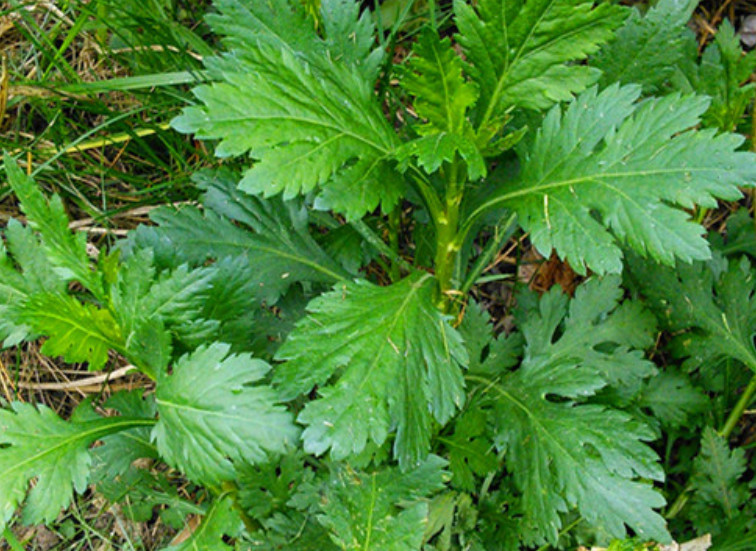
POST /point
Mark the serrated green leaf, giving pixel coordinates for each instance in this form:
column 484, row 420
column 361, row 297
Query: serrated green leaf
column 212, row 417
column 470, row 452
column 65, row 250
column 398, row 361
column 305, row 116
column 23, row 274
column 719, row 492
column 741, row 235
column 608, row 163
column 275, row 239
column 350, row 37
column 646, row 48
column 77, row 332
column 433, row 76
column 36, row 444
column 714, row 314
column 566, row 454
column 380, row 511
column 221, row 520
column 722, row 74
column 672, row 398
column 519, row 50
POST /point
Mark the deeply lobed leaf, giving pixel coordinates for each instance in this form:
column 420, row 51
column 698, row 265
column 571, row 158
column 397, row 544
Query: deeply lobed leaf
column 518, row 51
column 610, row 164
column 311, row 121
column 36, row 444
column 565, row 453
column 398, row 363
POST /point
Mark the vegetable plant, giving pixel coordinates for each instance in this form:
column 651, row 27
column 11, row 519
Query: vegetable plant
column 323, row 374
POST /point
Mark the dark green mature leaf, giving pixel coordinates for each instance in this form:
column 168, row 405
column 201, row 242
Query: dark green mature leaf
column 608, row 162
column 380, row 511
column 565, row 454
column 221, row 520
column 398, row 361
column 672, row 398
column 212, row 417
column 433, row 76
column 719, row 492
column 275, row 240
column 471, row 453
column 36, row 444
column 65, row 250
column 716, row 309
column 307, row 118
column 519, row 51
column 647, row 47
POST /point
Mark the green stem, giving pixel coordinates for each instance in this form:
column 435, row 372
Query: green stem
column 447, row 226
column 737, row 411
column 724, row 432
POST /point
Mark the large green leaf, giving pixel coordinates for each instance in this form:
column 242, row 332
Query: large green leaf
column 647, row 47
column 308, row 118
column 398, row 363
column 565, row 453
column 518, row 50
column 36, row 444
column 610, row 164
column 212, row 417
column 380, row 511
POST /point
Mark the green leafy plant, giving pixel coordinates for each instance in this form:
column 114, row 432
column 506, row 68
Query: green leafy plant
column 328, row 383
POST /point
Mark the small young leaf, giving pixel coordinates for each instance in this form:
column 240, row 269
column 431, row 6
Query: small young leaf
column 722, row 75
column 36, row 444
column 399, row 363
column 433, row 76
column 77, row 332
column 381, row 511
column 719, row 492
column 212, row 417
column 65, row 250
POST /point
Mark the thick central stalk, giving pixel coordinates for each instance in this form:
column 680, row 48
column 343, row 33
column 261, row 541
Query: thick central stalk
column 447, row 228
